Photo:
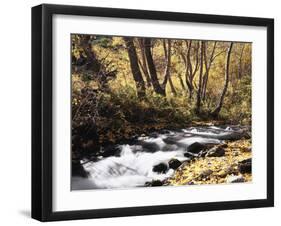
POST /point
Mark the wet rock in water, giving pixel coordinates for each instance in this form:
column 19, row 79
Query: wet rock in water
column 190, row 155
column 195, row 147
column 154, row 134
column 170, row 147
column 78, row 170
column 235, row 179
column 150, row 146
column 247, row 135
column 174, row 163
column 172, row 140
column 156, row 183
column 217, row 151
column 202, row 153
column 110, row 150
column 245, row 166
column 160, row 168
column 165, row 131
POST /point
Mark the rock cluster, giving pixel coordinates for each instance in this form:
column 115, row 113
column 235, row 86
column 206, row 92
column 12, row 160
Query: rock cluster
column 230, row 162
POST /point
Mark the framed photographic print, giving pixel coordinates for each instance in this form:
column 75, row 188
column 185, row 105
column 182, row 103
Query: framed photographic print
column 147, row 112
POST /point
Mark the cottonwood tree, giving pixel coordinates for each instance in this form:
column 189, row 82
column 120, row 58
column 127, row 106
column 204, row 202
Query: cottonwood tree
column 140, row 85
column 167, row 74
column 240, row 64
column 87, row 64
column 190, row 58
column 157, row 86
column 198, row 102
column 217, row 110
column 152, row 69
column 142, row 62
column 208, row 61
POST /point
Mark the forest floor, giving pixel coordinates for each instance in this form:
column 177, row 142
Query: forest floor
column 216, row 170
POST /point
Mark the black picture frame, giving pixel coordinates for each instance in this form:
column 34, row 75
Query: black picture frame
column 42, row 111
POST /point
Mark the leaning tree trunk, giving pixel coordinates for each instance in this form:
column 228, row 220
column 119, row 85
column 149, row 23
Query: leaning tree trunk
column 151, row 67
column 143, row 62
column 173, row 89
column 140, row 85
column 216, row 112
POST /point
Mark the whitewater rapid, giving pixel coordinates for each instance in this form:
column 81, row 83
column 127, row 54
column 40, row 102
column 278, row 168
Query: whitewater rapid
column 133, row 167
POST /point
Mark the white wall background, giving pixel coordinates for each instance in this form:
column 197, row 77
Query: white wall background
column 15, row 113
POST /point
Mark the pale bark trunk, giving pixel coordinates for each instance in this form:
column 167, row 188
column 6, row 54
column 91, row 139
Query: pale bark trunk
column 217, row 110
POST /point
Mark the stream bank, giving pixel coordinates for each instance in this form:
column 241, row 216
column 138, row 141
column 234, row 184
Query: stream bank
column 194, row 155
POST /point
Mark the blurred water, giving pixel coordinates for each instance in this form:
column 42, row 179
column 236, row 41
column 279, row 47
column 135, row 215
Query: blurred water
column 134, row 166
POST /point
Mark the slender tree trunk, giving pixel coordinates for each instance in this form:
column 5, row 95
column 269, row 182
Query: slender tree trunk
column 207, row 68
column 152, row 70
column 167, row 75
column 140, row 86
column 240, row 72
column 191, row 69
column 198, row 102
column 167, row 52
column 188, row 69
column 216, row 112
column 172, row 86
column 181, row 82
column 143, row 63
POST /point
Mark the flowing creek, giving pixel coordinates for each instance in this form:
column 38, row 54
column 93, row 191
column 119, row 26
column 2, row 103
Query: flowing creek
column 133, row 166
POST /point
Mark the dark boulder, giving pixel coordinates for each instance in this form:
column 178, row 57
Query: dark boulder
column 160, row 168
column 170, row 147
column 88, row 145
column 78, row 170
column 245, row 166
column 190, row 155
column 154, row 135
column 156, row 183
column 195, row 147
column 164, row 131
column 174, row 164
column 110, row 150
column 172, row 140
column 217, row 151
column 150, row 146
